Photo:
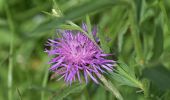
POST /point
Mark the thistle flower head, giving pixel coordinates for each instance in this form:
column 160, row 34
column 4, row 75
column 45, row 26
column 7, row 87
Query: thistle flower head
column 75, row 55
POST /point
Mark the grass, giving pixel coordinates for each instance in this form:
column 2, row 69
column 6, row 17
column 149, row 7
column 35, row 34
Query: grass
column 135, row 32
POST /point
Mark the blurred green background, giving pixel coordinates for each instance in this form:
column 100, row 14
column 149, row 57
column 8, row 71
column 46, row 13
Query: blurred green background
column 136, row 32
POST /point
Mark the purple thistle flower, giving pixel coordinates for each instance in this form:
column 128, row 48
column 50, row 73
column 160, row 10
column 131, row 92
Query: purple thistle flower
column 75, row 55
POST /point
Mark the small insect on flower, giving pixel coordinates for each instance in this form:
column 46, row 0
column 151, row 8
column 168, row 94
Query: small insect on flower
column 75, row 56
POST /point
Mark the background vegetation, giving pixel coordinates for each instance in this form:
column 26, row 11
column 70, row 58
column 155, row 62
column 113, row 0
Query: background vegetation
column 136, row 32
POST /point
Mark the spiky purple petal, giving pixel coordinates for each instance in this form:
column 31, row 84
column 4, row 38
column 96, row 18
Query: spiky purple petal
column 75, row 55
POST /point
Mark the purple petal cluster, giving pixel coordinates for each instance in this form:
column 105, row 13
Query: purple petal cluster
column 76, row 56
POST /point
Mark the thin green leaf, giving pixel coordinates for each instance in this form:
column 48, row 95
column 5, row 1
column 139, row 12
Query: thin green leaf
column 78, row 11
column 123, row 75
column 19, row 93
column 121, row 37
column 69, row 27
column 89, row 27
column 158, row 42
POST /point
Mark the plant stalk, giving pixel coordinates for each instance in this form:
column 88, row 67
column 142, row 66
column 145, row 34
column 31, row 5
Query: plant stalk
column 10, row 64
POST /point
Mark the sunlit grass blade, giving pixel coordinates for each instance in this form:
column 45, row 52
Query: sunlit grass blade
column 10, row 64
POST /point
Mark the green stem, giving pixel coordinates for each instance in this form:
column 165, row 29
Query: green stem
column 137, row 43
column 111, row 87
column 135, row 33
column 44, row 83
column 10, row 65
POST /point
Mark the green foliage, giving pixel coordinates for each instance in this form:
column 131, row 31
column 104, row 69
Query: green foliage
column 75, row 88
column 135, row 32
column 126, row 76
column 154, row 75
